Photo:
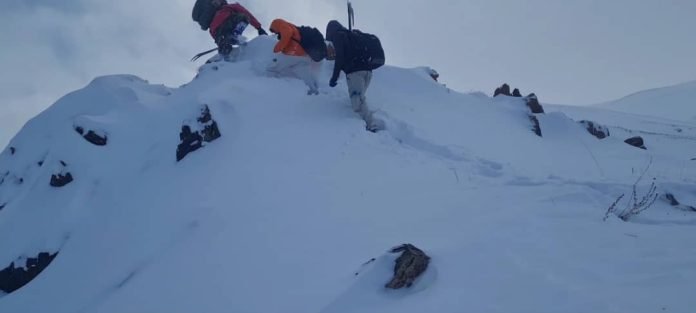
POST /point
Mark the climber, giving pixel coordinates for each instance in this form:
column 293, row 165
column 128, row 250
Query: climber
column 298, row 53
column 226, row 22
column 357, row 54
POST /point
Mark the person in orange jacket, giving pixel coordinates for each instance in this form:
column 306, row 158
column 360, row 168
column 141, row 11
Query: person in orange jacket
column 291, row 59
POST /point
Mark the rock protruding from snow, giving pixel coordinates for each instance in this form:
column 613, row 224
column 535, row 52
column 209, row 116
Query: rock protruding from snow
column 595, row 129
column 637, row 142
column 536, row 126
column 92, row 136
column 13, row 150
column 62, row 178
column 12, row 278
column 533, row 103
column 502, row 90
column 516, row 93
column 194, row 137
column 409, row 266
column 671, row 199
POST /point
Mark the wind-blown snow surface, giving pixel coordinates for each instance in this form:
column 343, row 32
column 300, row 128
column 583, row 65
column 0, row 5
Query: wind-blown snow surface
column 280, row 212
column 675, row 102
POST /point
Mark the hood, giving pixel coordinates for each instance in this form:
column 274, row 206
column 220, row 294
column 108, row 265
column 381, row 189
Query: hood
column 277, row 24
column 332, row 29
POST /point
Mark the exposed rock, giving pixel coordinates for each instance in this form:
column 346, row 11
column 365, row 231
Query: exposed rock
column 671, row 199
column 210, row 128
column 2, row 206
column 13, row 150
column 193, row 140
column 536, row 126
column 190, row 141
column 409, row 266
column 533, row 104
column 61, row 180
column 516, row 93
column 13, row 278
column 502, row 90
column 595, row 129
column 637, row 142
column 92, row 137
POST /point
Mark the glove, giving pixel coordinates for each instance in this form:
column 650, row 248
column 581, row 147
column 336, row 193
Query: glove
column 225, row 48
column 333, row 83
column 262, row 32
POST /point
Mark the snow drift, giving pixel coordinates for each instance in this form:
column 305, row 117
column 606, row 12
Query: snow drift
column 277, row 211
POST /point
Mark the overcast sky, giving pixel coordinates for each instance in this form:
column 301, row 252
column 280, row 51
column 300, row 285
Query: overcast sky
column 574, row 52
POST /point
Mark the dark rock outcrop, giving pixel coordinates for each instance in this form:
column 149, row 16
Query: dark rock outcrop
column 12, row 278
column 672, row 199
column 536, row 126
column 595, row 129
column 2, row 206
column 502, row 90
column 516, row 93
column 61, row 178
column 210, row 128
column 533, row 104
column 13, row 150
column 637, row 142
column 191, row 140
column 92, row 137
column 409, row 266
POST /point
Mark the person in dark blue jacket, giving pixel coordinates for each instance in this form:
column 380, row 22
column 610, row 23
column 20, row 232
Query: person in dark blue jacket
column 356, row 63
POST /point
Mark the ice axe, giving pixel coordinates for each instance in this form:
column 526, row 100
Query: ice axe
column 198, row 56
column 351, row 16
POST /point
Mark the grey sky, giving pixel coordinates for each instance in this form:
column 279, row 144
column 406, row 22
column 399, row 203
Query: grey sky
column 576, row 52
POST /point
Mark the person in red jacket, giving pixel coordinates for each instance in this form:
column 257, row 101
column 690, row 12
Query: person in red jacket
column 229, row 23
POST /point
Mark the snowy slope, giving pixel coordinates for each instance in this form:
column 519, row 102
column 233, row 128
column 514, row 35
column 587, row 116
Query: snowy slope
column 279, row 213
column 675, row 102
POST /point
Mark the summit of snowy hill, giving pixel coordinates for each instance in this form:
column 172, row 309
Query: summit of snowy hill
column 238, row 192
column 676, row 102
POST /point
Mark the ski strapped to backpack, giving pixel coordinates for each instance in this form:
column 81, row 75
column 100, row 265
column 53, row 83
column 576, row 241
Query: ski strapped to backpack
column 312, row 41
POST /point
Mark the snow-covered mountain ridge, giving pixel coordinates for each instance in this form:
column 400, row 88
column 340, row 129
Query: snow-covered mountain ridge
column 676, row 102
column 279, row 212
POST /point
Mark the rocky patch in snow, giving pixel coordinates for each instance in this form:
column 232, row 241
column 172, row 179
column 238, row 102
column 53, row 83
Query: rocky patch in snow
column 62, row 177
column 536, row 127
column 533, row 104
column 595, row 129
column 672, row 200
column 13, row 278
column 97, row 138
column 409, row 266
column 193, row 136
column 502, row 90
column 637, row 142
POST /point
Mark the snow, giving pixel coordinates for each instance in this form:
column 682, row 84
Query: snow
column 674, row 102
column 277, row 214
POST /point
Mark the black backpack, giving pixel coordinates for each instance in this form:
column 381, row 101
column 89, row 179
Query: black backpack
column 367, row 48
column 203, row 13
column 312, row 41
